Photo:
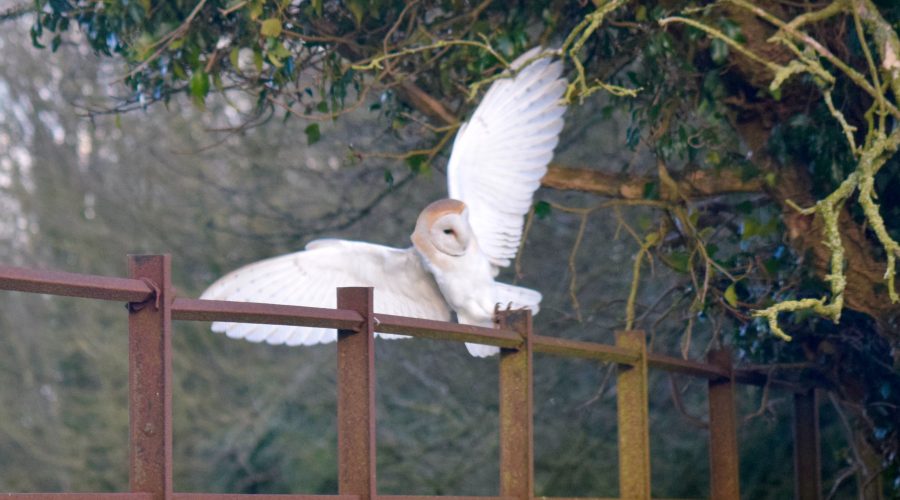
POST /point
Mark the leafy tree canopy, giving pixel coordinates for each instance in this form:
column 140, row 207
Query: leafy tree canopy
column 770, row 129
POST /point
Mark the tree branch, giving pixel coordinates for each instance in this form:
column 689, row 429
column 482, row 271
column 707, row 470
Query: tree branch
column 696, row 184
column 16, row 11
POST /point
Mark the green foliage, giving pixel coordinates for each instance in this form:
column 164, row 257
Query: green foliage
column 266, row 45
column 312, row 133
column 542, row 209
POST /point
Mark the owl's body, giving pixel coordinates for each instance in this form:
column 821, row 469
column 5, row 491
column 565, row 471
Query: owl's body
column 444, row 240
column 459, row 243
column 466, row 284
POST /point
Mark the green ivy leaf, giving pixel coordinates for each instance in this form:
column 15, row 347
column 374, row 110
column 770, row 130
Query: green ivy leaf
column 719, row 51
column 258, row 60
column 256, row 10
column 731, row 295
column 679, row 261
column 176, row 43
column 751, row 227
column 357, row 8
column 640, row 14
column 199, row 87
column 312, row 134
column 271, row 27
column 273, row 58
column 417, row 163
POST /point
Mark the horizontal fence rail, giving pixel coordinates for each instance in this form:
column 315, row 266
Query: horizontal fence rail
column 153, row 306
column 74, row 285
column 252, row 312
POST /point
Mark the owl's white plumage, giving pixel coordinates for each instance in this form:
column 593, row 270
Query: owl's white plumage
column 500, row 155
column 498, row 159
column 311, row 277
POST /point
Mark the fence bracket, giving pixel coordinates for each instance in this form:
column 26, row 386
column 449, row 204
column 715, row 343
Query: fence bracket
column 154, row 297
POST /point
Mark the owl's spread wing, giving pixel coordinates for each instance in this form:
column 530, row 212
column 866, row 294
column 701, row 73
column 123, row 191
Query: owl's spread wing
column 500, row 155
column 310, row 278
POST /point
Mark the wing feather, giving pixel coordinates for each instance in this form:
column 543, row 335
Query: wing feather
column 310, row 277
column 500, row 155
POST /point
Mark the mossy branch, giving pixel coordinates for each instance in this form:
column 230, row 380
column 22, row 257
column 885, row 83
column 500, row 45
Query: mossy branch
column 649, row 242
column 829, row 209
column 376, row 62
column 573, row 45
column 878, row 147
column 789, row 34
column 871, row 161
column 734, row 44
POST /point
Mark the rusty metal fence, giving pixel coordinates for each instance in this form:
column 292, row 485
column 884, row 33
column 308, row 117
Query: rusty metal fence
column 152, row 306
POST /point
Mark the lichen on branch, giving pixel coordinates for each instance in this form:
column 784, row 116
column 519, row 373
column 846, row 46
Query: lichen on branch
column 879, row 145
column 575, row 42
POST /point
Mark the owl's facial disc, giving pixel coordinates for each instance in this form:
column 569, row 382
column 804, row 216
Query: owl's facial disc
column 450, row 234
column 443, row 228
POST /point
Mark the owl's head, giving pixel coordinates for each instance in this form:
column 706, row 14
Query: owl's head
column 443, row 226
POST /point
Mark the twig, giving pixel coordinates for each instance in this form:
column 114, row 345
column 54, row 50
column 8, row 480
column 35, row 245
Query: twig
column 649, row 241
column 679, row 405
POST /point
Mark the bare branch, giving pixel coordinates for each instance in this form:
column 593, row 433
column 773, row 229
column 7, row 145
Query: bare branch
column 696, row 184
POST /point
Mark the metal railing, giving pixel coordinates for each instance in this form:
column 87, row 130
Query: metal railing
column 153, row 306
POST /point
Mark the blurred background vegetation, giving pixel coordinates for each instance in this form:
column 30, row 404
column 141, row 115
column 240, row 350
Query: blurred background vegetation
column 225, row 132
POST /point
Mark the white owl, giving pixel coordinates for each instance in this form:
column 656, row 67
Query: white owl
column 498, row 159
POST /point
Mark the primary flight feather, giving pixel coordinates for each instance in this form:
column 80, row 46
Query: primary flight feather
column 498, row 159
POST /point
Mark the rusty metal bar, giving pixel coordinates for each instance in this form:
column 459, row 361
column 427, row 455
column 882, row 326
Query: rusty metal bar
column 585, row 350
column 76, row 496
column 150, row 380
column 580, row 498
column 274, row 314
column 255, row 496
column 608, row 498
column 438, row 497
column 807, row 468
column 685, row 367
column 73, row 285
column 356, row 397
column 724, row 481
column 633, row 417
column 442, row 330
column 516, row 407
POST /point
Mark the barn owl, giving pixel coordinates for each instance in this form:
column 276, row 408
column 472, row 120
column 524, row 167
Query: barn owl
column 459, row 244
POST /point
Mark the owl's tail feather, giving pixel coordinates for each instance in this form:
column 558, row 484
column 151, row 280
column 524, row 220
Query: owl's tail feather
column 482, row 351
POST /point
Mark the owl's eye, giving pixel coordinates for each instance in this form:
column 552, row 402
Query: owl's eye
column 448, row 231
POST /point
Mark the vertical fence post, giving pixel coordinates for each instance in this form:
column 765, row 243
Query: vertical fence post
column 633, row 416
column 150, row 379
column 724, row 481
column 807, row 469
column 516, row 406
column 356, row 397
